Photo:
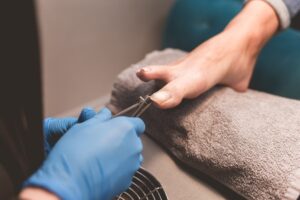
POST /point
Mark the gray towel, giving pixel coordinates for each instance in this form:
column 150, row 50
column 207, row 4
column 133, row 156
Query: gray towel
column 249, row 142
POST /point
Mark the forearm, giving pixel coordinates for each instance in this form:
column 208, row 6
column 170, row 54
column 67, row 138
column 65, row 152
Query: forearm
column 35, row 193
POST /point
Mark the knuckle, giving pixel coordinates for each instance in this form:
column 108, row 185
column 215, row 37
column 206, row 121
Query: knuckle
column 137, row 165
column 139, row 145
column 127, row 183
column 141, row 158
column 125, row 123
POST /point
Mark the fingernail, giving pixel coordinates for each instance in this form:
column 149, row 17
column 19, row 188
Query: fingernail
column 161, row 96
column 143, row 70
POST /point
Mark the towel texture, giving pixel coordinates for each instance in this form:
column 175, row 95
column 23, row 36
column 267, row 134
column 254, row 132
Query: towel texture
column 249, row 142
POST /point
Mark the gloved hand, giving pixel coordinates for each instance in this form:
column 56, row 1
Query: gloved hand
column 54, row 128
column 95, row 159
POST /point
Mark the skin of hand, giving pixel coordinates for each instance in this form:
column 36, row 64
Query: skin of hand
column 35, row 193
column 227, row 58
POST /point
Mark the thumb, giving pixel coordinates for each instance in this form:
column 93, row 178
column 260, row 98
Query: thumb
column 103, row 115
column 86, row 114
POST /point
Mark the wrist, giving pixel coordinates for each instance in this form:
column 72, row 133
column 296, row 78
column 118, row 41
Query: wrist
column 51, row 178
column 254, row 25
column 35, row 193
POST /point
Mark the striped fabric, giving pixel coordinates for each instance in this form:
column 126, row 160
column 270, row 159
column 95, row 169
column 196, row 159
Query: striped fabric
column 293, row 6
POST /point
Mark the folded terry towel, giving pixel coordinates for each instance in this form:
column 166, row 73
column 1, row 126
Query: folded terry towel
column 249, row 142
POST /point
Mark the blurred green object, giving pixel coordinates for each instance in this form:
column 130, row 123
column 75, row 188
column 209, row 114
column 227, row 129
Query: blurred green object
column 277, row 71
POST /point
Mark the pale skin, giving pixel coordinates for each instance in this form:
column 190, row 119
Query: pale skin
column 36, row 193
column 228, row 59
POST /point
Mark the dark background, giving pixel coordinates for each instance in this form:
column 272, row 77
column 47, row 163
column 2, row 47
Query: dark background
column 296, row 22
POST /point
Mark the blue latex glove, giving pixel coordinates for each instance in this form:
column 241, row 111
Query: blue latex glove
column 95, row 159
column 54, row 128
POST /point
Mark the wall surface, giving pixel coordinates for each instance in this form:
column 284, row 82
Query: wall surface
column 85, row 44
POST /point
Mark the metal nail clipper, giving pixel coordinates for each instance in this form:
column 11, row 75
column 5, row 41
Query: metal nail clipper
column 138, row 108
